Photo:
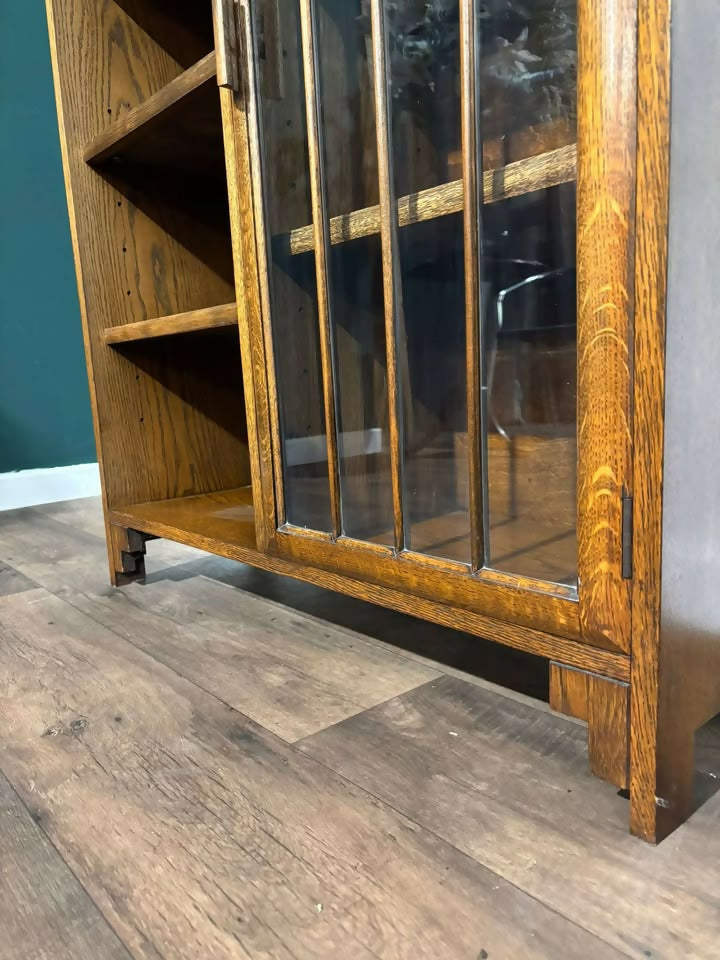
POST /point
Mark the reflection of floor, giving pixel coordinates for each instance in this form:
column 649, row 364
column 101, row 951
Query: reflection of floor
column 531, row 491
column 532, row 481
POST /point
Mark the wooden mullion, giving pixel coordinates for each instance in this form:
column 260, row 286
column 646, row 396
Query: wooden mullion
column 472, row 192
column 389, row 241
column 252, row 107
column 321, row 234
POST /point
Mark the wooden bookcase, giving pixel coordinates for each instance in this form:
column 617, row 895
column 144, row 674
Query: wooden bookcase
column 374, row 295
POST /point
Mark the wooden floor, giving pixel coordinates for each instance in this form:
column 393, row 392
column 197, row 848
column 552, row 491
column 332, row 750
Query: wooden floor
column 218, row 763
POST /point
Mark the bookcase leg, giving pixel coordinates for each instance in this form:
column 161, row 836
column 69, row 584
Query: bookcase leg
column 128, row 555
column 604, row 705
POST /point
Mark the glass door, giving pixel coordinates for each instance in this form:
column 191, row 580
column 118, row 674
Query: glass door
column 417, row 215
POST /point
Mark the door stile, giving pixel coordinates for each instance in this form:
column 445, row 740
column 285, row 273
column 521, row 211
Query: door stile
column 607, row 73
column 252, row 107
column 391, row 282
column 472, row 200
column 321, row 233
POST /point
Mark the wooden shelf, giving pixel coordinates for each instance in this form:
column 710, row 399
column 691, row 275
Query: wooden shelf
column 179, row 126
column 211, row 521
column 192, row 322
column 524, row 176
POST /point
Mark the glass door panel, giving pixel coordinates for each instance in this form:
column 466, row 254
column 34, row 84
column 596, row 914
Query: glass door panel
column 355, row 272
column 292, row 282
column 528, row 68
column 419, row 166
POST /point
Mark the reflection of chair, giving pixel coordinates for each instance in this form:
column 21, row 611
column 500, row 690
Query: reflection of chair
column 497, row 324
column 496, row 328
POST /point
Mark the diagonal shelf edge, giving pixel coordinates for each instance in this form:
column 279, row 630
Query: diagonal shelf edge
column 140, row 118
column 523, row 176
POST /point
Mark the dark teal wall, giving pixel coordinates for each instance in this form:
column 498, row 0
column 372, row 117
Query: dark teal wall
column 44, row 405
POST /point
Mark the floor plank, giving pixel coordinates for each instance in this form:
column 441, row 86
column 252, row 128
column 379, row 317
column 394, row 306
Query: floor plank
column 510, row 786
column 59, row 546
column 11, row 581
column 292, row 674
column 198, row 834
column 44, row 912
column 452, row 651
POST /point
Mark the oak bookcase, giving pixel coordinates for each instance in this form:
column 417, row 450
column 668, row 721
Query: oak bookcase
column 377, row 295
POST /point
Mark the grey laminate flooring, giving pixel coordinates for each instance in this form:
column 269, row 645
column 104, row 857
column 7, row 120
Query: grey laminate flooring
column 220, row 763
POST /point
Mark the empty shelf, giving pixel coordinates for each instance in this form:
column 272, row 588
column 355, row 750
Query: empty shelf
column 152, row 133
column 524, row 176
column 222, row 522
column 192, row 322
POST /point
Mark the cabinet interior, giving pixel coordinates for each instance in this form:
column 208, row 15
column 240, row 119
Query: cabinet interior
column 162, row 316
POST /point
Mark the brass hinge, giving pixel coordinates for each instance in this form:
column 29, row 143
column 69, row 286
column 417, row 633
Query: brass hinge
column 627, row 535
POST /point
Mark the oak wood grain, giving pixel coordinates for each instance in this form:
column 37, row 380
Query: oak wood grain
column 44, row 912
column 569, row 691
column 195, row 321
column 605, row 706
column 159, row 424
column 523, row 176
column 607, row 96
column 189, row 825
column 223, row 524
column 252, row 346
column 651, row 251
column 139, row 120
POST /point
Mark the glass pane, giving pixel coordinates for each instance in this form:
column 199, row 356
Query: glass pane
column 358, row 318
column 292, row 274
column 529, row 98
column 426, row 138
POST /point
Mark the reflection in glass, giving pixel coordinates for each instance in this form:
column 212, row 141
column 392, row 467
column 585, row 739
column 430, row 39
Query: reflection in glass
column 293, row 287
column 527, row 80
column 348, row 133
column 529, row 97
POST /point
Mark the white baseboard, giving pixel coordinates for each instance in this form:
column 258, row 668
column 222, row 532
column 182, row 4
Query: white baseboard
column 28, row 488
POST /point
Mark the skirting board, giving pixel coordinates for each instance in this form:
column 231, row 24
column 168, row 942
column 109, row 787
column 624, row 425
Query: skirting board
column 28, row 488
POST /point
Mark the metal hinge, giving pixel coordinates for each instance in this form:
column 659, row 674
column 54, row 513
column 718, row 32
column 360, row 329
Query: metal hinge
column 627, row 535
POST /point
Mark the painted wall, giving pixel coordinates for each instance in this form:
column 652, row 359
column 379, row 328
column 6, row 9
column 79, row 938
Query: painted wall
column 44, row 404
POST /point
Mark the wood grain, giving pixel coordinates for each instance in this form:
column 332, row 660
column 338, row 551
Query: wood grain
column 223, row 524
column 510, row 787
column 515, row 179
column 651, row 249
column 252, row 347
column 13, row 582
column 257, row 267
column 183, row 28
column 195, row 830
column 226, row 44
column 607, row 96
column 392, row 286
column 321, row 243
column 605, row 706
column 290, row 673
column 569, row 691
column 473, row 186
column 44, row 912
column 608, row 731
column 139, row 120
column 159, row 426
column 195, row 321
